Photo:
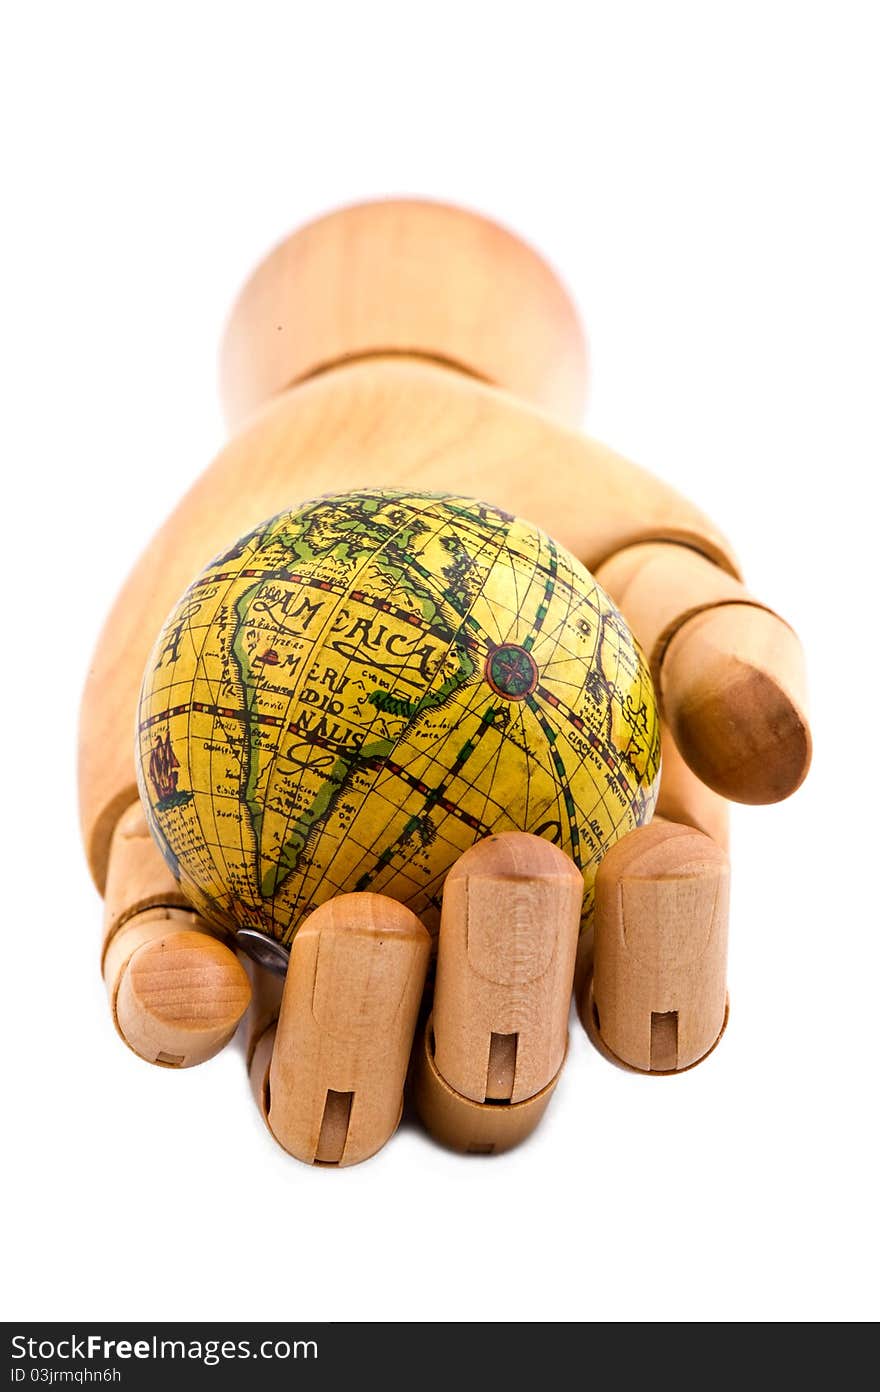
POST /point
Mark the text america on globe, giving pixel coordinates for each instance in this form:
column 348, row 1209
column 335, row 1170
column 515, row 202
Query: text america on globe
column 364, row 686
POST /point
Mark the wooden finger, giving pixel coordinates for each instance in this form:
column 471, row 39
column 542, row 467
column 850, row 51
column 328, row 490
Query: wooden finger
column 492, row 1052
column 180, row 994
column 657, row 998
column 176, row 991
column 329, row 1076
column 729, row 673
column 733, row 689
column 686, row 799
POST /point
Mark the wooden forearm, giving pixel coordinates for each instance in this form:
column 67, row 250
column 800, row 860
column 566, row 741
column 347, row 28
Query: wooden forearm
column 404, row 276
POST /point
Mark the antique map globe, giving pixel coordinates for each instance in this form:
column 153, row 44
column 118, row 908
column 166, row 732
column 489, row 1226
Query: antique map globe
column 362, row 687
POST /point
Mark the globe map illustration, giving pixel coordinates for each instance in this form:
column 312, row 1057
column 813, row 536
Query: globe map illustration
column 362, row 687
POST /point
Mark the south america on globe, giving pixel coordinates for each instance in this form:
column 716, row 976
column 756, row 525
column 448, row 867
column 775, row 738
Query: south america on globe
column 362, row 687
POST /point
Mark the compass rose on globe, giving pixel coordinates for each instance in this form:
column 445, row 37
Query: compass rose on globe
column 511, row 671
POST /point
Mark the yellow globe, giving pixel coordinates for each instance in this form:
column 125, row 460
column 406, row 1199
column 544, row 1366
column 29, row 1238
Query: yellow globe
column 361, row 688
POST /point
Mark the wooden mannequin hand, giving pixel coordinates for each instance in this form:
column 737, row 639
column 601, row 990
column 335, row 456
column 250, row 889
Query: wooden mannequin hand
column 393, row 388
column 329, row 1074
column 729, row 677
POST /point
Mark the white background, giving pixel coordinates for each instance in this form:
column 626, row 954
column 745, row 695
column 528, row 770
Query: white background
column 705, row 179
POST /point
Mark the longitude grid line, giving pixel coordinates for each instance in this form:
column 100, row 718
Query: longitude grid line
column 429, row 513
column 484, row 543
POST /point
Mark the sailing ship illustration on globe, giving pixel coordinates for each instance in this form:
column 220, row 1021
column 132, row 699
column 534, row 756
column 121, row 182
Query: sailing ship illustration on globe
column 163, row 770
